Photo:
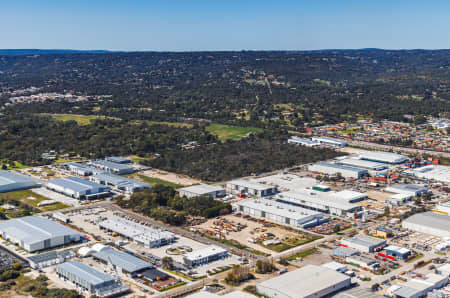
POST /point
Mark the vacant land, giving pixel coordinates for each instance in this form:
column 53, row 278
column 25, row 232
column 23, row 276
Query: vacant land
column 29, row 198
column 153, row 181
column 229, row 132
column 80, row 119
column 160, row 175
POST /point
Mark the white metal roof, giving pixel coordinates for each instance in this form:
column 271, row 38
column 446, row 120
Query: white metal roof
column 430, row 219
column 250, row 184
column 381, row 156
column 313, row 198
column 402, row 250
column 304, row 282
column 201, row 189
column 84, row 272
column 205, row 252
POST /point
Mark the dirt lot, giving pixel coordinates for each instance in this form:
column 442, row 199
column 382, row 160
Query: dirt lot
column 171, row 177
column 379, row 196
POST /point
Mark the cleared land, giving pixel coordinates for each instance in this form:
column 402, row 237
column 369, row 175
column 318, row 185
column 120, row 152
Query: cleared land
column 80, row 119
column 153, row 181
column 164, row 176
column 229, row 132
column 25, row 197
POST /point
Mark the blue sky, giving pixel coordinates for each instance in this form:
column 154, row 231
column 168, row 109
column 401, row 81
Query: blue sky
column 191, row 25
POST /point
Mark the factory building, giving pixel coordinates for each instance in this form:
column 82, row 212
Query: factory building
column 319, row 203
column 10, row 181
column 34, row 233
column 78, row 188
column 251, row 188
column 364, row 243
column 204, row 256
column 381, row 231
column 123, row 263
column 397, row 251
column 408, row 189
column 398, row 199
column 80, row 169
column 429, row 223
column 202, row 190
column 50, row 258
column 306, row 282
column 335, row 266
column 329, row 142
column 90, row 280
column 418, row 286
column 363, row 262
column 118, row 159
column 303, row 142
column 344, row 252
column 112, row 167
column 383, row 157
column 140, row 234
column 281, row 213
column 333, row 169
column 432, row 172
column 348, row 196
column 119, row 183
column 363, row 164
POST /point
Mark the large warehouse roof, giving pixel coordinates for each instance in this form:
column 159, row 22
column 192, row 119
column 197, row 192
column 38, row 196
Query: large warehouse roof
column 279, row 209
column 33, row 229
column 365, row 240
column 431, row 220
column 304, row 282
column 84, row 272
column 14, row 180
column 201, row 189
column 436, row 172
column 76, row 184
column 340, row 167
column 386, row 157
column 360, row 163
column 205, row 252
column 312, row 197
column 120, row 181
column 123, row 260
column 111, row 165
column 250, row 184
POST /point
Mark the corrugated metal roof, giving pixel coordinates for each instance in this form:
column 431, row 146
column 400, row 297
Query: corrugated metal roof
column 201, row 189
column 341, row 167
column 76, row 184
column 111, row 165
column 9, row 177
column 84, row 272
column 120, row 181
column 123, row 260
column 381, row 156
column 33, row 229
column 430, row 219
column 205, row 252
column 250, row 184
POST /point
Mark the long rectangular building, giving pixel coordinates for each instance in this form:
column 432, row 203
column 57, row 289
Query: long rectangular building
column 324, row 204
column 120, row 183
column 204, row 256
column 141, row 234
column 202, row 190
column 363, row 164
column 122, row 262
column 281, row 213
column 333, row 169
column 80, row 169
column 251, row 188
column 383, row 157
column 77, row 188
column 90, row 280
column 307, row 282
column 10, row 181
column 329, row 142
column 432, row 172
column 112, row 167
column 34, row 233
column 432, row 223
column 364, row 243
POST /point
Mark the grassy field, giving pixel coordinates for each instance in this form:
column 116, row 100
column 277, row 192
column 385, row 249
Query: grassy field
column 153, row 181
column 229, row 132
column 80, row 119
column 16, row 165
column 173, row 124
column 290, row 243
column 23, row 196
column 303, row 254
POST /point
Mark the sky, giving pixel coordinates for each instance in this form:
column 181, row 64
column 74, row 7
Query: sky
column 196, row 25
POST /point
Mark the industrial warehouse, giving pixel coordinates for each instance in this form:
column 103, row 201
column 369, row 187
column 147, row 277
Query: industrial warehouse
column 204, row 256
column 431, row 223
column 407, row 189
column 303, row 142
column 324, row 204
column 281, row 213
column 90, row 280
column 329, row 142
column 80, row 169
column 308, row 281
column 10, row 181
column 432, row 172
column 383, row 157
column 78, row 188
column 140, row 234
column 120, row 183
column 112, row 167
column 202, row 190
column 364, row 243
column 251, row 188
column 34, row 233
column 333, row 169
column 363, row 164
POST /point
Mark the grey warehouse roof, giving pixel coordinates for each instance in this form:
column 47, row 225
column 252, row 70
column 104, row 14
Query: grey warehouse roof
column 33, row 229
column 201, row 189
column 84, row 272
column 120, row 181
column 342, row 167
column 430, row 219
column 364, row 240
column 111, row 165
column 304, row 282
column 51, row 255
column 76, row 184
column 9, row 177
column 250, row 184
column 381, row 156
column 123, row 260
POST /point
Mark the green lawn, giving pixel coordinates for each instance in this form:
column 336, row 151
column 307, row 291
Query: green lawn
column 80, row 119
column 290, row 243
column 303, row 254
column 154, row 181
column 16, row 165
column 229, row 132
column 23, row 195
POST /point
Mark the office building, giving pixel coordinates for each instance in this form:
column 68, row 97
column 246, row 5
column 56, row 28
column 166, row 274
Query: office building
column 34, row 233
column 204, row 256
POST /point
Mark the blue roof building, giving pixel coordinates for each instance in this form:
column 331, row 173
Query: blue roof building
column 78, row 188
